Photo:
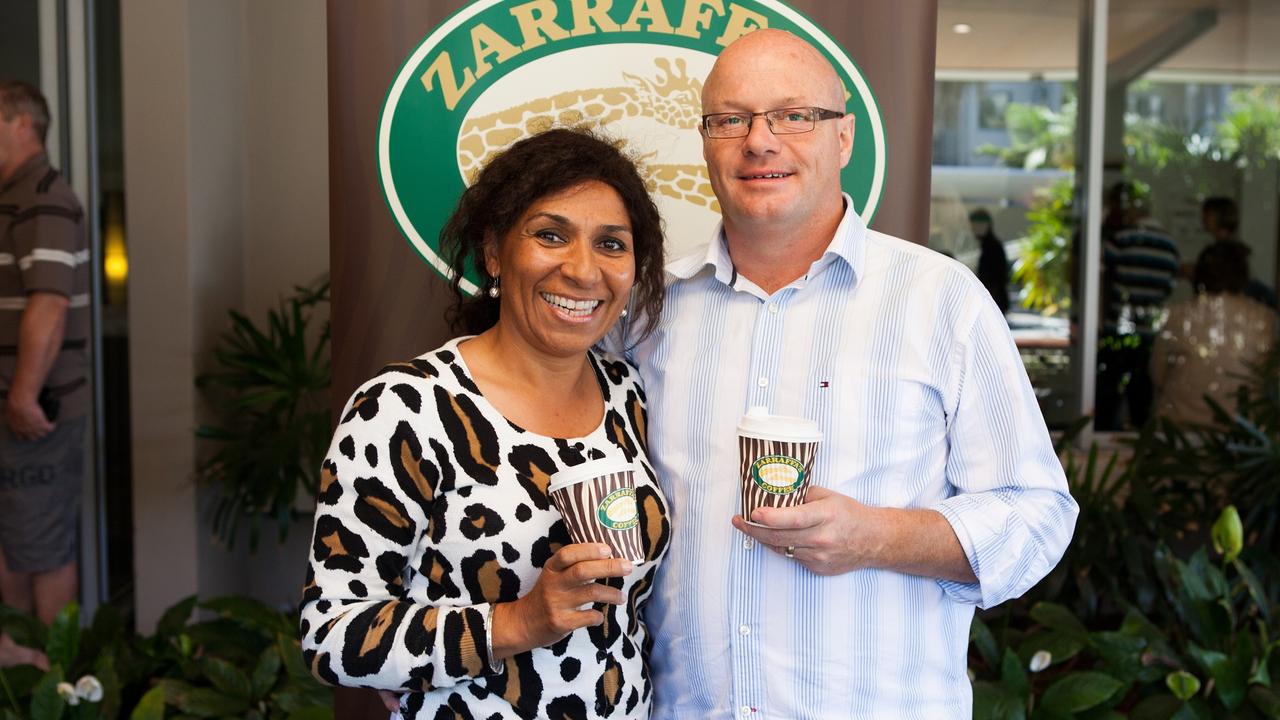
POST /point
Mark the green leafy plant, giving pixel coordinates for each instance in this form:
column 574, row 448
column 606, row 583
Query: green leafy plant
column 269, row 387
column 1044, row 265
column 245, row 662
column 1039, row 137
column 1250, row 133
column 1206, row 656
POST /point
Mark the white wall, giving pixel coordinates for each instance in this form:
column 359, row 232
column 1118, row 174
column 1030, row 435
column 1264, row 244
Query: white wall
column 226, row 177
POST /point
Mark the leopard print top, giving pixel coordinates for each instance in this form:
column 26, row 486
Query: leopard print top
column 432, row 506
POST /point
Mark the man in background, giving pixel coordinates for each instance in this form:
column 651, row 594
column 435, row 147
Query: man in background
column 1140, row 264
column 44, row 323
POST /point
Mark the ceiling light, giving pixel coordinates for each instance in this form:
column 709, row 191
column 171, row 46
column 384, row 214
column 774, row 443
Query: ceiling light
column 962, row 28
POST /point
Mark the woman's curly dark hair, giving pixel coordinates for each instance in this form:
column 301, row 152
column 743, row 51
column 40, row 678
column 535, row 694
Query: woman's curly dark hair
column 519, row 176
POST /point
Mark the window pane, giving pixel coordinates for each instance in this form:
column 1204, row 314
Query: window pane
column 1003, row 173
column 1190, row 231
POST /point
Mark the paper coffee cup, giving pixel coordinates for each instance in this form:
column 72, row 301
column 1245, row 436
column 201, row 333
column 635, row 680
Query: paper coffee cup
column 777, row 453
column 599, row 505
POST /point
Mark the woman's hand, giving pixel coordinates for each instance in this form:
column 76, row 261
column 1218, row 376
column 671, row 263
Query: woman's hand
column 552, row 609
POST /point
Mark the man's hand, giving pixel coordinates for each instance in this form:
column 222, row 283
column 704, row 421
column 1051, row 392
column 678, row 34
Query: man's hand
column 834, row 534
column 831, row 533
column 25, row 418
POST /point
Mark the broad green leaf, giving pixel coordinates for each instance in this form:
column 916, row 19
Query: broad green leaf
column 1080, row 691
column 175, row 618
column 46, row 703
column 266, row 671
column 1121, row 652
column 1207, row 659
column 251, row 612
column 20, row 680
column 105, row 670
column 1232, row 677
column 1183, row 684
column 992, row 701
column 1057, row 617
column 25, row 629
column 1261, row 675
column 291, row 653
column 228, row 679
column 1013, row 675
column 64, row 636
column 151, row 707
column 206, row 702
column 1062, row 646
column 1255, row 589
column 982, row 639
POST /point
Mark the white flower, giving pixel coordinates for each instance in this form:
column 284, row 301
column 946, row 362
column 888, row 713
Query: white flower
column 68, row 693
column 1040, row 661
column 89, row 688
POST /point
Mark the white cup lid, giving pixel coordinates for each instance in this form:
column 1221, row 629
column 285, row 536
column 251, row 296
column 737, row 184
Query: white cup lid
column 588, row 470
column 758, row 423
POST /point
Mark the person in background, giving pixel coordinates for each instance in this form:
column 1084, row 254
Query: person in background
column 440, row 569
column 1208, row 343
column 44, row 326
column 1221, row 219
column 1140, row 264
column 993, row 263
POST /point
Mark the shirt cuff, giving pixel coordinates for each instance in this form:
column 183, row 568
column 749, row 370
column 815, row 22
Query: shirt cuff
column 955, row 509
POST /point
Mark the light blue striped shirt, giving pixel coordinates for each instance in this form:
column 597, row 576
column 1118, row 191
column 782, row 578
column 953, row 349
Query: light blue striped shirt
column 908, row 366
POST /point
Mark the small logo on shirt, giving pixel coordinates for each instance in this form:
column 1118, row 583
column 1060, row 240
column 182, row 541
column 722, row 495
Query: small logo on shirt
column 778, row 474
column 824, row 383
column 617, row 511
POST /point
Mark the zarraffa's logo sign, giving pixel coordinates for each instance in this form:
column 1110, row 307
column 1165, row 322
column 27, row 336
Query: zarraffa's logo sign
column 498, row 71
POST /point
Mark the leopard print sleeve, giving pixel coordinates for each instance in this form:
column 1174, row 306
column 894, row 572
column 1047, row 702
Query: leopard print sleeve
column 359, row 625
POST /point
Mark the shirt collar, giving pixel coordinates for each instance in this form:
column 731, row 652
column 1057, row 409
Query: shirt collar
column 848, row 245
column 32, row 164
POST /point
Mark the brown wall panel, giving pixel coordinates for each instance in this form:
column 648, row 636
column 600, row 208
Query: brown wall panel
column 387, row 304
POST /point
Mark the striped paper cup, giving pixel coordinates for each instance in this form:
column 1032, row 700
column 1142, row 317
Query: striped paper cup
column 598, row 502
column 776, row 452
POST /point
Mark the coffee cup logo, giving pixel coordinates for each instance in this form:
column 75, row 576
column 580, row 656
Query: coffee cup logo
column 778, row 474
column 497, row 71
column 618, row 510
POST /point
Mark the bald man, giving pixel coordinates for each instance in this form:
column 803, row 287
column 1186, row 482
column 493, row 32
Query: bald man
column 936, row 488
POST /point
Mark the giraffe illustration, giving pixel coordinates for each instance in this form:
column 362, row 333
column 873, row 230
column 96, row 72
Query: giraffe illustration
column 671, row 98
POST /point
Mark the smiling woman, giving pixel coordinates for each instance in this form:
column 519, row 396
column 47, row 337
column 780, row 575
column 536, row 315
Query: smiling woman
column 440, row 570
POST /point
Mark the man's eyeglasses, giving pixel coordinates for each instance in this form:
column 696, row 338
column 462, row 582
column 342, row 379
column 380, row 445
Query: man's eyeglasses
column 787, row 121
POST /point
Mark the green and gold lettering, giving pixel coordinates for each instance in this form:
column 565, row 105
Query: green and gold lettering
column 585, row 15
column 652, row 12
column 538, row 18
column 697, row 16
column 442, row 68
column 486, row 42
column 741, row 22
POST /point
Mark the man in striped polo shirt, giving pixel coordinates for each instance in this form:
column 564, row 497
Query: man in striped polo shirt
column 44, row 323
column 935, row 488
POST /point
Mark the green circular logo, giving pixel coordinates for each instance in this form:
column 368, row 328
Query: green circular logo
column 778, row 474
column 497, row 71
column 618, row 510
